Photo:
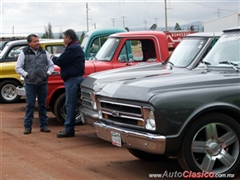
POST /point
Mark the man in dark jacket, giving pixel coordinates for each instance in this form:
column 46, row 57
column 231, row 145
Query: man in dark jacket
column 72, row 64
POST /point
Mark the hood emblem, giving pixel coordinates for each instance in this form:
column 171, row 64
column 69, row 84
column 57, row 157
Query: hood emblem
column 115, row 113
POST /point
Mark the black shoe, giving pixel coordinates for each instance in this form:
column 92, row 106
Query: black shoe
column 45, row 129
column 63, row 134
column 27, row 131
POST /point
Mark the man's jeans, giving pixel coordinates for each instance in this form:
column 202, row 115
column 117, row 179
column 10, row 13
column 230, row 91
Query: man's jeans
column 72, row 87
column 33, row 91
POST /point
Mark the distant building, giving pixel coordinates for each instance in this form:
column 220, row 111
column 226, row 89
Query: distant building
column 222, row 23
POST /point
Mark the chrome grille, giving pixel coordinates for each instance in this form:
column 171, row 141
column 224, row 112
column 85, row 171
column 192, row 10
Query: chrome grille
column 120, row 113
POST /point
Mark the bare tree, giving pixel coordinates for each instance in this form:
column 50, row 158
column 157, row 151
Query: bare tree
column 48, row 32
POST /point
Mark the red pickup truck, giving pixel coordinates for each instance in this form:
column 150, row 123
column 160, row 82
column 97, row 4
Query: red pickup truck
column 175, row 37
column 120, row 50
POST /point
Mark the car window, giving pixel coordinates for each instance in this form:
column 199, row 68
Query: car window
column 2, row 44
column 138, row 50
column 55, row 49
column 103, row 40
column 108, row 49
column 97, row 44
column 131, row 51
column 186, row 51
column 14, row 52
column 225, row 52
column 84, row 42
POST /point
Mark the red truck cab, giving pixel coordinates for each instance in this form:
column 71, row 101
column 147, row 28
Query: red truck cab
column 120, row 50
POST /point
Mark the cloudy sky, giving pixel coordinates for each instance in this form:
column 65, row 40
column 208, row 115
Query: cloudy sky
column 32, row 16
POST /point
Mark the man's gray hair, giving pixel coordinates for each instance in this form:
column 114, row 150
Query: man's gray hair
column 71, row 33
column 30, row 36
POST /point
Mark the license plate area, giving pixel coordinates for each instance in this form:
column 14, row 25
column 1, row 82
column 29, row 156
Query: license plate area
column 116, row 139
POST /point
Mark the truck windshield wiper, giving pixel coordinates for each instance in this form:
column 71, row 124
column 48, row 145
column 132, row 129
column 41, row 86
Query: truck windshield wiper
column 206, row 64
column 230, row 63
column 170, row 63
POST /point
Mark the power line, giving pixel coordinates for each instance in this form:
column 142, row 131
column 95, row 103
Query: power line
column 210, row 6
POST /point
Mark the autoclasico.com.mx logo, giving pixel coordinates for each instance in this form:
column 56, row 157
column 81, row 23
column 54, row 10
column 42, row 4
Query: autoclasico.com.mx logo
column 190, row 174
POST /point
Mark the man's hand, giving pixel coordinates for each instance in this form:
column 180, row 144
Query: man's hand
column 51, row 56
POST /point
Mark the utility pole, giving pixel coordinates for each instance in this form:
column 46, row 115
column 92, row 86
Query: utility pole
column 218, row 12
column 156, row 20
column 113, row 19
column 123, row 21
column 166, row 24
column 87, row 9
column 145, row 22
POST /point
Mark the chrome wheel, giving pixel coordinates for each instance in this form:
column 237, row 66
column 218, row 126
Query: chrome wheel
column 211, row 144
column 8, row 91
column 215, row 147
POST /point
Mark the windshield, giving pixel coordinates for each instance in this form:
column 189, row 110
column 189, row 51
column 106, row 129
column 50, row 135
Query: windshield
column 2, row 44
column 226, row 52
column 186, row 51
column 84, row 42
column 107, row 50
column 4, row 50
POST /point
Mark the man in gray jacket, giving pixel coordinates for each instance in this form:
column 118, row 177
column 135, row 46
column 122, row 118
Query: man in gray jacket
column 35, row 65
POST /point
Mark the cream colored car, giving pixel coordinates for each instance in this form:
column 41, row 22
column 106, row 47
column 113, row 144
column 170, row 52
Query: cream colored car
column 9, row 79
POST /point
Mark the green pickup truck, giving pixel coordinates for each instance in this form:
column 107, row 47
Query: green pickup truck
column 93, row 40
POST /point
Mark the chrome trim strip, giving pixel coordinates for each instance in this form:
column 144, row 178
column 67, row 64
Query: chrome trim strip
column 128, row 105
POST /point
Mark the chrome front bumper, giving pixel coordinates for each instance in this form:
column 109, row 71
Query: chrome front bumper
column 89, row 116
column 146, row 142
column 20, row 91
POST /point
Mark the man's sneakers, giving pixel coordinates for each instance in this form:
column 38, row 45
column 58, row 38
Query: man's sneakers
column 27, row 131
column 45, row 129
column 64, row 134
